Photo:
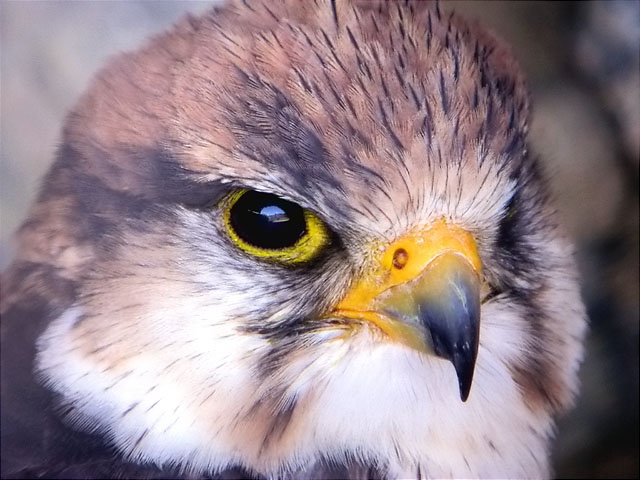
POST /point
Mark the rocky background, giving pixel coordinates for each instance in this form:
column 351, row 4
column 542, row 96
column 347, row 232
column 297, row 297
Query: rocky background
column 582, row 61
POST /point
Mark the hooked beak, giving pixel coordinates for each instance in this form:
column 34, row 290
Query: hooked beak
column 425, row 293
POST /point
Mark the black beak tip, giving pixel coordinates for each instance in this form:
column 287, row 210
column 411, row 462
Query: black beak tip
column 461, row 353
column 465, row 388
column 464, row 366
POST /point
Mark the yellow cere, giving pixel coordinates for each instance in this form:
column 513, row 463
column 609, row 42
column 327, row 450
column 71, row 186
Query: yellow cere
column 305, row 249
column 420, row 247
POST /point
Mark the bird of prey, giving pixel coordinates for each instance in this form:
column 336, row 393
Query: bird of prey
column 293, row 239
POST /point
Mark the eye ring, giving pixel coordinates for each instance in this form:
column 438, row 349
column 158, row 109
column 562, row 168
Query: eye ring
column 271, row 228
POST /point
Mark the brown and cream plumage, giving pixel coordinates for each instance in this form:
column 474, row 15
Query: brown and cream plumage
column 283, row 240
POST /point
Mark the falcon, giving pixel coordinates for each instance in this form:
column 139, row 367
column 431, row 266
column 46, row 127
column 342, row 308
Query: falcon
column 294, row 239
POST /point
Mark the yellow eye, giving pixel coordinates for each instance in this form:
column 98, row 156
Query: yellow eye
column 272, row 228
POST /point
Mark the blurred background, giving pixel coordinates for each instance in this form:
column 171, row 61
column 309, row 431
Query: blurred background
column 582, row 62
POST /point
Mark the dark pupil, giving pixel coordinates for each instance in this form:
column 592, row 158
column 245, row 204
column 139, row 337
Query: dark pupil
column 266, row 221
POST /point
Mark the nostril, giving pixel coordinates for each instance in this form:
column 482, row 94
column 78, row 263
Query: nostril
column 400, row 257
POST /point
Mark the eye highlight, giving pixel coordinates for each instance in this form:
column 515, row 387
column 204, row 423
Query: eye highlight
column 269, row 227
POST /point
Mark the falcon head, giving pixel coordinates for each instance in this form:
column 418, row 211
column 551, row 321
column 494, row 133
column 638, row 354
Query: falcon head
column 304, row 236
